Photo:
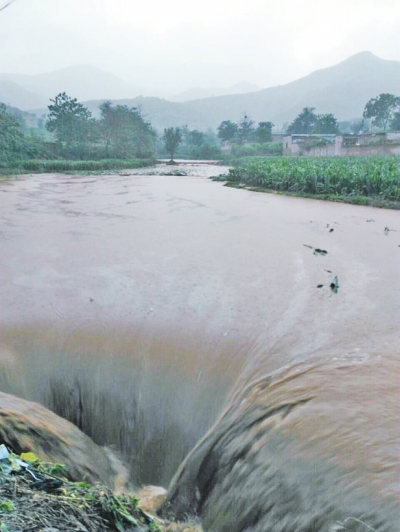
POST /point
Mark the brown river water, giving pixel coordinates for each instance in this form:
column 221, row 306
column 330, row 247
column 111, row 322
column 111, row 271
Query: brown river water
column 135, row 305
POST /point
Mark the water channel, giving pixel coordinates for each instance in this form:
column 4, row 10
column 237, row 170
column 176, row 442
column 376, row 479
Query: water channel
column 134, row 305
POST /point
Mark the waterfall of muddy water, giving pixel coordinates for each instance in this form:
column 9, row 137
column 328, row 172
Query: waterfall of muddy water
column 133, row 305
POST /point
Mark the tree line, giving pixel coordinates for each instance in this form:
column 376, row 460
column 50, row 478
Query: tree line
column 382, row 111
column 189, row 144
column 245, row 131
column 122, row 132
column 74, row 134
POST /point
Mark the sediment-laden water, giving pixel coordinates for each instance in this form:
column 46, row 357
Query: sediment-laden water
column 136, row 305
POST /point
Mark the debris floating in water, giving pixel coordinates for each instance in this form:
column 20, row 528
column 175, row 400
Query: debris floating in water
column 316, row 251
column 334, row 286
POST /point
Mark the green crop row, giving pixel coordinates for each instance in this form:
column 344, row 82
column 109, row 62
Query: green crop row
column 341, row 176
column 40, row 165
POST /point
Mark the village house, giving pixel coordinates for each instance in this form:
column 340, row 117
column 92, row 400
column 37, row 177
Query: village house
column 385, row 143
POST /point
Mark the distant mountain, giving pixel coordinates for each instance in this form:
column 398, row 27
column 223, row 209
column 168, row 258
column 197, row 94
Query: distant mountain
column 83, row 82
column 200, row 93
column 17, row 96
column 343, row 90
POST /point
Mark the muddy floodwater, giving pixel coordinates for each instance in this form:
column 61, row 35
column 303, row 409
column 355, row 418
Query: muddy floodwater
column 135, row 304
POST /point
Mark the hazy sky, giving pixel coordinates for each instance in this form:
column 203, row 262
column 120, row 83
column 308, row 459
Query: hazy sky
column 171, row 45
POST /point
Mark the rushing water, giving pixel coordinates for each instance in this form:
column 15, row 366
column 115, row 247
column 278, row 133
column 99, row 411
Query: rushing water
column 133, row 305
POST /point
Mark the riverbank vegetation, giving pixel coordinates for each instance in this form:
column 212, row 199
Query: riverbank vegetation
column 36, row 495
column 360, row 180
column 190, row 144
column 63, row 165
column 71, row 139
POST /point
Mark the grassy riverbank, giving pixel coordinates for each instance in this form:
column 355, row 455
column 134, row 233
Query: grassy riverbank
column 50, row 166
column 35, row 495
column 359, row 180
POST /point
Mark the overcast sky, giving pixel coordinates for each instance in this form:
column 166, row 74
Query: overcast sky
column 178, row 44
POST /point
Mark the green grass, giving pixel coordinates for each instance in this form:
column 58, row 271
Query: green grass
column 43, row 166
column 360, row 180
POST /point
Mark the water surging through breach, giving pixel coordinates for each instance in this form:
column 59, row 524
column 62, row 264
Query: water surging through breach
column 149, row 396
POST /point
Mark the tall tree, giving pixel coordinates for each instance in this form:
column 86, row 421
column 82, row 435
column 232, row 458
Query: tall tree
column 264, row 132
column 199, row 144
column 245, row 129
column 395, row 122
column 124, row 131
column 382, row 109
column 227, row 130
column 12, row 140
column 196, row 138
column 304, row 123
column 172, row 137
column 326, row 124
column 71, row 123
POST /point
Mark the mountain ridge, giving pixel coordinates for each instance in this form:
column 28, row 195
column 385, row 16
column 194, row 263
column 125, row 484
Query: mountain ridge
column 198, row 93
column 342, row 89
column 83, row 82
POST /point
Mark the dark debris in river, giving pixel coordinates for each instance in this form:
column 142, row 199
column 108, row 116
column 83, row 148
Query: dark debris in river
column 387, row 230
column 333, row 285
column 316, row 251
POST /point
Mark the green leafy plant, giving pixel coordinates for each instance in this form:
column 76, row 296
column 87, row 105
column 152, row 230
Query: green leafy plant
column 6, row 506
column 341, row 177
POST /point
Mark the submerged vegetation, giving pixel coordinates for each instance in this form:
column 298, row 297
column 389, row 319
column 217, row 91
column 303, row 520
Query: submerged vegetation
column 363, row 180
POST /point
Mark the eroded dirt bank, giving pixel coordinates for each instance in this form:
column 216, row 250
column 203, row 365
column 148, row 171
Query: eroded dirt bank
column 132, row 305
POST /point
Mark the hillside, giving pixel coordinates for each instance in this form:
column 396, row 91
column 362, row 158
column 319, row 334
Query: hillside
column 342, row 89
column 198, row 93
column 83, row 82
column 13, row 94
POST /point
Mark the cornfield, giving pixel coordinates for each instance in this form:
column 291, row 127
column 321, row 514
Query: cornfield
column 334, row 176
